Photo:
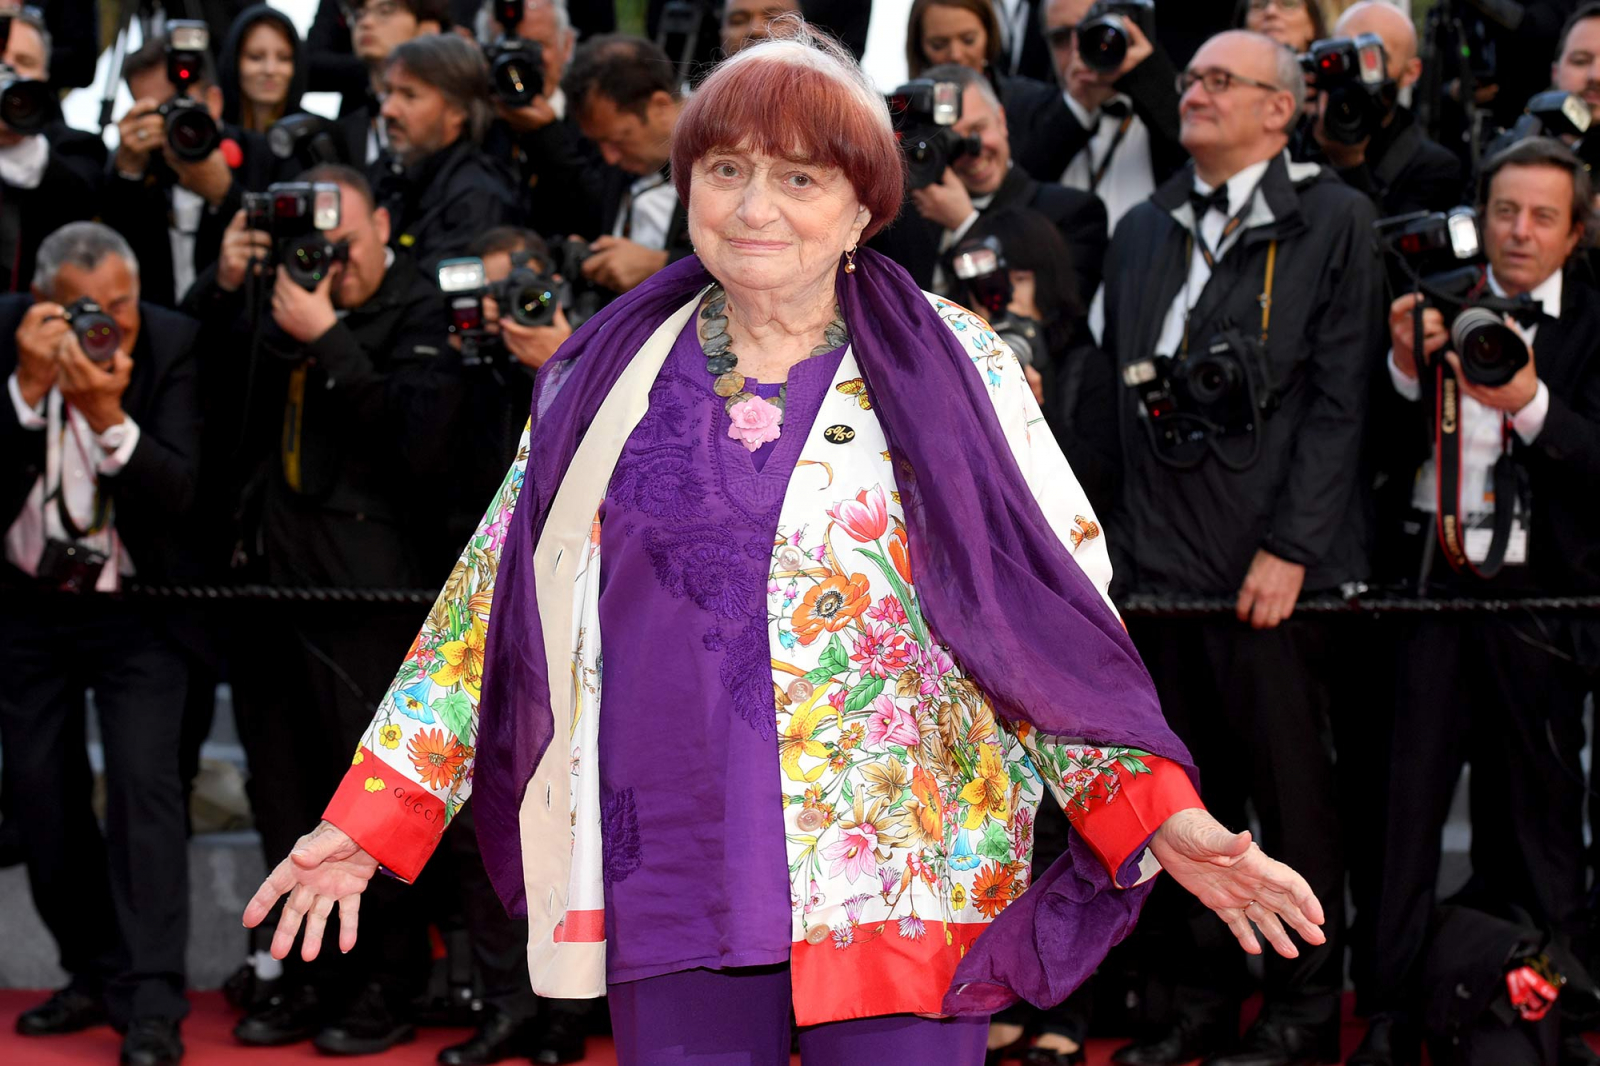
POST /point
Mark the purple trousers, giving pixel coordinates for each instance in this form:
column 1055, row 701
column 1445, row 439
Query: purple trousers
column 741, row 1018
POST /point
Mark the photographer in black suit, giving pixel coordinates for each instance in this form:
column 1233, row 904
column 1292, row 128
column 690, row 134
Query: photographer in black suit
column 173, row 211
column 441, row 192
column 1398, row 166
column 1242, row 313
column 98, row 442
column 940, row 214
column 1502, row 691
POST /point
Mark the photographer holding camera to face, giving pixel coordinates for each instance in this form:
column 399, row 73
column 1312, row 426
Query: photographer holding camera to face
column 1502, row 397
column 973, row 174
column 1242, row 313
column 179, row 173
column 440, row 190
column 99, row 444
column 1358, row 125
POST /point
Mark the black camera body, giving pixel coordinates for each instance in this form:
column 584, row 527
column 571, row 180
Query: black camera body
column 980, row 265
column 1442, row 254
column 516, row 65
column 98, row 333
column 1354, row 73
column 308, row 139
column 922, row 112
column 192, row 133
column 1190, row 402
column 1553, row 113
column 527, row 296
column 25, row 103
column 298, row 215
column 1103, row 37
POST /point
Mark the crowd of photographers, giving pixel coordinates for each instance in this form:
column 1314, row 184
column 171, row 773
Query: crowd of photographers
column 1311, row 307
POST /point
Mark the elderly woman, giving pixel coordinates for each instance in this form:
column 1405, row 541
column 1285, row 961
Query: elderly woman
column 850, row 603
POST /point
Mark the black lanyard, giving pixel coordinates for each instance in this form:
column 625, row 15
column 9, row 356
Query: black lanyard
column 102, row 502
column 1105, row 161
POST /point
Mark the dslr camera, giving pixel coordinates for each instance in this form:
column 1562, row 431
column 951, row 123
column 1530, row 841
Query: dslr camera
column 981, row 266
column 191, row 132
column 1553, row 113
column 298, row 215
column 923, row 112
column 24, row 102
column 1197, row 403
column 516, row 65
column 1354, row 73
column 1441, row 253
column 1103, row 37
column 98, row 333
column 527, row 296
column 310, row 140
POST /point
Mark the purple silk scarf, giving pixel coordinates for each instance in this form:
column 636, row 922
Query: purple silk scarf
column 995, row 582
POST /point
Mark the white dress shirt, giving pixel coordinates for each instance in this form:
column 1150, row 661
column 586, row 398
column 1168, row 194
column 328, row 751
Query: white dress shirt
column 1242, row 191
column 22, row 164
column 187, row 210
column 1128, row 180
column 647, row 211
column 74, row 456
column 1481, row 440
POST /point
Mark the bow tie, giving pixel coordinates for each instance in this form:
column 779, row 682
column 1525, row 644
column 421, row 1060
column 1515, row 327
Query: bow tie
column 1117, row 109
column 1202, row 203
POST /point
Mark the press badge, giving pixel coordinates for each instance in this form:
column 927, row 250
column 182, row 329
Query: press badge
column 1480, row 528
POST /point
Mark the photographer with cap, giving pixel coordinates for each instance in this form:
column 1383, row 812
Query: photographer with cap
column 98, row 459
column 1242, row 313
column 1503, row 691
column 440, row 190
column 1396, row 164
column 172, row 209
column 350, row 374
column 941, row 214
column 1115, row 133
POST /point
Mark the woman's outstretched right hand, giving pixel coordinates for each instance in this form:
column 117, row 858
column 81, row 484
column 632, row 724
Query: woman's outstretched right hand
column 325, row 867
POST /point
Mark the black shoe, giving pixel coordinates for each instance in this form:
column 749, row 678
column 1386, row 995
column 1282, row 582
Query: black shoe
column 500, row 1037
column 560, row 1039
column 369, row 1027
column 152, row 1042
column 1272, row 1044
column 70, row 1010
column 1390, row 1040
column 1184, row 1042
column 1041, row 1056
column 288, row 1018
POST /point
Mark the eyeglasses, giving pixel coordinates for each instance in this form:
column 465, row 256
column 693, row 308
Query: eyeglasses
column 1283, row 5
column 382, row 10
column 1061, row 36
column 1217, row 81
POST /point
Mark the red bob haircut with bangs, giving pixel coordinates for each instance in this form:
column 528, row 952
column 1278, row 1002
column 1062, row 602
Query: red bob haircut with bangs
column 794, row 99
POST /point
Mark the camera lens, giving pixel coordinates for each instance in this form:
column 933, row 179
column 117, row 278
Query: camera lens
column 1491, row 352
column 191, row 134
column 24, row 106
column 514, row 82
column 1212, row 379
column 533, row 305
column 1103, row 42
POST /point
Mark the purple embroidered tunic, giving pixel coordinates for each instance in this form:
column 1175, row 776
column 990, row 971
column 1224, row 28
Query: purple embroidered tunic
column 695, row 865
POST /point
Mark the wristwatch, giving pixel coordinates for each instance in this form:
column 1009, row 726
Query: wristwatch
column 114, row 437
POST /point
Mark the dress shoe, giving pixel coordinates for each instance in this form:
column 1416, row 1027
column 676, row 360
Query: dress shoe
column 152, row 1042
column 1042, row 1056
column 1272, row 1044
column 559, row 1039
column 288, row 1018
column 369, row 1027
column 1182, row 1043
column 499, row 1037
column 1390, row 1040
column 70, row 1010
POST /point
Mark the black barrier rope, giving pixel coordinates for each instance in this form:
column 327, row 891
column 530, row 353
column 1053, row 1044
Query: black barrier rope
column 1136, row 606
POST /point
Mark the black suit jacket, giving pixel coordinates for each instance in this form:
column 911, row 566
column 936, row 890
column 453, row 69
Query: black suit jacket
column 913, row 241
column 440, row 206
column 155, row 491
column 68, row 192
column 615, row 191
column 1404, row 170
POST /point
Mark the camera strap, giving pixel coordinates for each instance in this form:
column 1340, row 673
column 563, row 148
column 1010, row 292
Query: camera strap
column 58, row 495
column 1447, row 482
column 1105, row 161
column 1265, row 299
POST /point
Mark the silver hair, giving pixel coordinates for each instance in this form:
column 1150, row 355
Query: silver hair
column 487, row 29
column 79, row 244
column 1290, row 79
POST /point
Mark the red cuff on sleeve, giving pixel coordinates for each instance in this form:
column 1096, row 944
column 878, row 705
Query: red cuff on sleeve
column 396, row 820
column 1118, row 828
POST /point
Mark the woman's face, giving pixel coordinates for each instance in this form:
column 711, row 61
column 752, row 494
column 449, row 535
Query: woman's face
column 266, row 64
column 768, row 224
column 1285, row 21
column 953, row 35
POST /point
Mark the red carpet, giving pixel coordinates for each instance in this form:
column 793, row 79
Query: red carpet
column 207, row 1033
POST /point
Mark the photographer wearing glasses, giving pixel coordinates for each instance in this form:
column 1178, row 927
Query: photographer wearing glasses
column 99, row 445
column 1115, row 133
column 1514, row 406
column 440, row 190
column 1242, row 310
column 1360, row 128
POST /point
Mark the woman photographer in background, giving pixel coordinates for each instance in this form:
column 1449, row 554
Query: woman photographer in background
column 262, row 69
column 1292, row 23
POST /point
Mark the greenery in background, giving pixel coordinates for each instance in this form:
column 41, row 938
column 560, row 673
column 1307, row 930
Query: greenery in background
column 630, row 16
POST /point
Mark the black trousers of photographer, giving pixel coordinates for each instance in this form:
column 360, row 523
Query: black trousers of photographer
column 1504, row 692
column 117, row 904
column 1252, row 705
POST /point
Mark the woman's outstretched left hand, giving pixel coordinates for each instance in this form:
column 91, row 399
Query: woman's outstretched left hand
column 1229, row 873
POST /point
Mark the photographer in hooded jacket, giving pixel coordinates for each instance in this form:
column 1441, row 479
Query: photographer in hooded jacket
column 1514, row 429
